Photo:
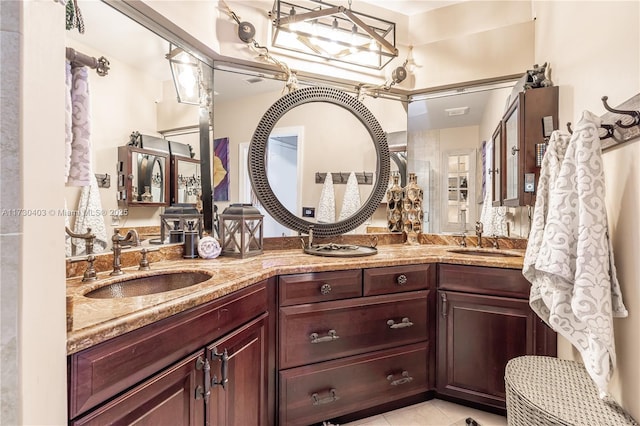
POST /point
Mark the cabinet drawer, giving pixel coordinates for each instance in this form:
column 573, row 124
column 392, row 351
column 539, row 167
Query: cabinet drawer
column 319, row 286
column 104, row 370
column 311, row 394
column 395, row 279
column 322, row 331
column 485, row 280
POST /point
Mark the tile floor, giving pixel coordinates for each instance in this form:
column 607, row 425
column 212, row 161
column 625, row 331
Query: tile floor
column 435, row 412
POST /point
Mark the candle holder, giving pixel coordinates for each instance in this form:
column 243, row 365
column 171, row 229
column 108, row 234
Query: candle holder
column 241, row 231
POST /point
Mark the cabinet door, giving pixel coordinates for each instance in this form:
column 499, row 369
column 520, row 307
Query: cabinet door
column 496, row 167
column 168, row 398
column 239, row 376
column 512, row 154
column 477, row 335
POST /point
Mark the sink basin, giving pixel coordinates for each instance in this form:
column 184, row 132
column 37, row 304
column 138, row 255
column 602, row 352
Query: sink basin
column 143, row 286
column 485, row 252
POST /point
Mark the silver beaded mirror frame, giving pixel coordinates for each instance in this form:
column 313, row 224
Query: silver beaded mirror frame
column 257, row 162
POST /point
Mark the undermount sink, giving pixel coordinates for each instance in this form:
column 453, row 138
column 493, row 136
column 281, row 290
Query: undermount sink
column 489, row 252
column 143, row 286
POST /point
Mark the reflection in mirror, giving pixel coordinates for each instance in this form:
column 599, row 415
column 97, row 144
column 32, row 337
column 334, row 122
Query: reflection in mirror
column 463, row 119
column 333, row 142
column 185, row 181
column 137, row 95
column 143, row 178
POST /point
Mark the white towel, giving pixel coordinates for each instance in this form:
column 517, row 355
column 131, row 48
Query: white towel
column 327, row 203
column 351, row 201
column 80, row 166
column 492, row 218
column 90, row 215
column 569, row 260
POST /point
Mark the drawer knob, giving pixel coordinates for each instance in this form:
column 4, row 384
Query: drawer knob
column 325, row 288
column 402, row 279
column 405, row 378
column 316, row 400
column 331, row 336
column 402, row 324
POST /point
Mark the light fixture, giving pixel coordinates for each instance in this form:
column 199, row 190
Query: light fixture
column 185, row 70
column 335, row 33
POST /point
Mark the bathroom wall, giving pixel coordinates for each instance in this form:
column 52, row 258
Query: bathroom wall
column 37, row 395
column 593, row 51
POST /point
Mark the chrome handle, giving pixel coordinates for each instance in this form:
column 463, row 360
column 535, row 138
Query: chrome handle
column 402, row 324
column 331, row 335
column 443, row 298
column 325, row 289
column 405, row 378
column 224, row 368
column 332, row 397
column 402, row 279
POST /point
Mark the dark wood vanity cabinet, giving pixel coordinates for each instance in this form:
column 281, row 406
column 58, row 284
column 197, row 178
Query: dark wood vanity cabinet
column 484, row 320
column 208, row 365
column 352, row 340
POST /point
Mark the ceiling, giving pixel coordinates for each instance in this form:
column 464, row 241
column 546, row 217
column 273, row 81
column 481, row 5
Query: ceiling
column 143, row 50
column 408, row 7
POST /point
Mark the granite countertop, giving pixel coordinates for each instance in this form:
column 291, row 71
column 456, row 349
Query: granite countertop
column 92, row 321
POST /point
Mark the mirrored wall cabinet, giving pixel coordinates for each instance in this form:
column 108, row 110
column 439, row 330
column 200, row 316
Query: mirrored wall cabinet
column 143, row 177
column 524, row 132
column 185, row 180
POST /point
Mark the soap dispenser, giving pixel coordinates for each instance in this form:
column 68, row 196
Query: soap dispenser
column 190, row 241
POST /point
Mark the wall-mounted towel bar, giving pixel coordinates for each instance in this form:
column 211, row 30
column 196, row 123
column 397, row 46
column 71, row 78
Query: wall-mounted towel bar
column 626, row 117
column 364, row 178
column 101, row 65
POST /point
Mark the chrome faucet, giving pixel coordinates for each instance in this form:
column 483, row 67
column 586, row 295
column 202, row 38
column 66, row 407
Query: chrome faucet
column 479, row 229
column 116, row 241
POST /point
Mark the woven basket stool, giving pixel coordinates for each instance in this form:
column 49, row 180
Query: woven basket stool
column 549, row 391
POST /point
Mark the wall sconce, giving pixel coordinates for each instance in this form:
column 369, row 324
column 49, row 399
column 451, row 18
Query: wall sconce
column 333, row 32
column 185, row 70
column 241, row 231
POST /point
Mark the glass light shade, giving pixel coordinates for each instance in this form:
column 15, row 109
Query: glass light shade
column 186, row 76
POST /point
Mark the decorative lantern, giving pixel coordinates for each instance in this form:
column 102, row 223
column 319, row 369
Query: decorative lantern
column 175, row 221
column 241, row 231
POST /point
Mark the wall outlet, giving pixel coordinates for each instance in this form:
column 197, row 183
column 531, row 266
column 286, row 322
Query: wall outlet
column 308, row 212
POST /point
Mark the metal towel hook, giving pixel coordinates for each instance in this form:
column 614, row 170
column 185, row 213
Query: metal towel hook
column 634, row 114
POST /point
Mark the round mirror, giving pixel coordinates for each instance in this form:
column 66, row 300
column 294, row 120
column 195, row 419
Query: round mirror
column 364, row 152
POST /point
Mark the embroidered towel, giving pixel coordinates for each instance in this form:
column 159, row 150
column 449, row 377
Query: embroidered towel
column 327, row 203
column 569, row 260
column 80, row 166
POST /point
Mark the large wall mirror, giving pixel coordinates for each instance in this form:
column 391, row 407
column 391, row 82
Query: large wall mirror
column 138, row 94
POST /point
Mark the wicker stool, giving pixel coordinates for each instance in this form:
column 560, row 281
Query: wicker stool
column 550, row 391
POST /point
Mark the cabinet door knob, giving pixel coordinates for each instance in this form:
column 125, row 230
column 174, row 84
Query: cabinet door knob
column 317, row 400
column 402, row 279
column 402, row 324
column 325, row 288
column 331, row 336
column 405, row 378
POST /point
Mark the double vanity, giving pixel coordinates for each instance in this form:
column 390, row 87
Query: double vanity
column 292, row 339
